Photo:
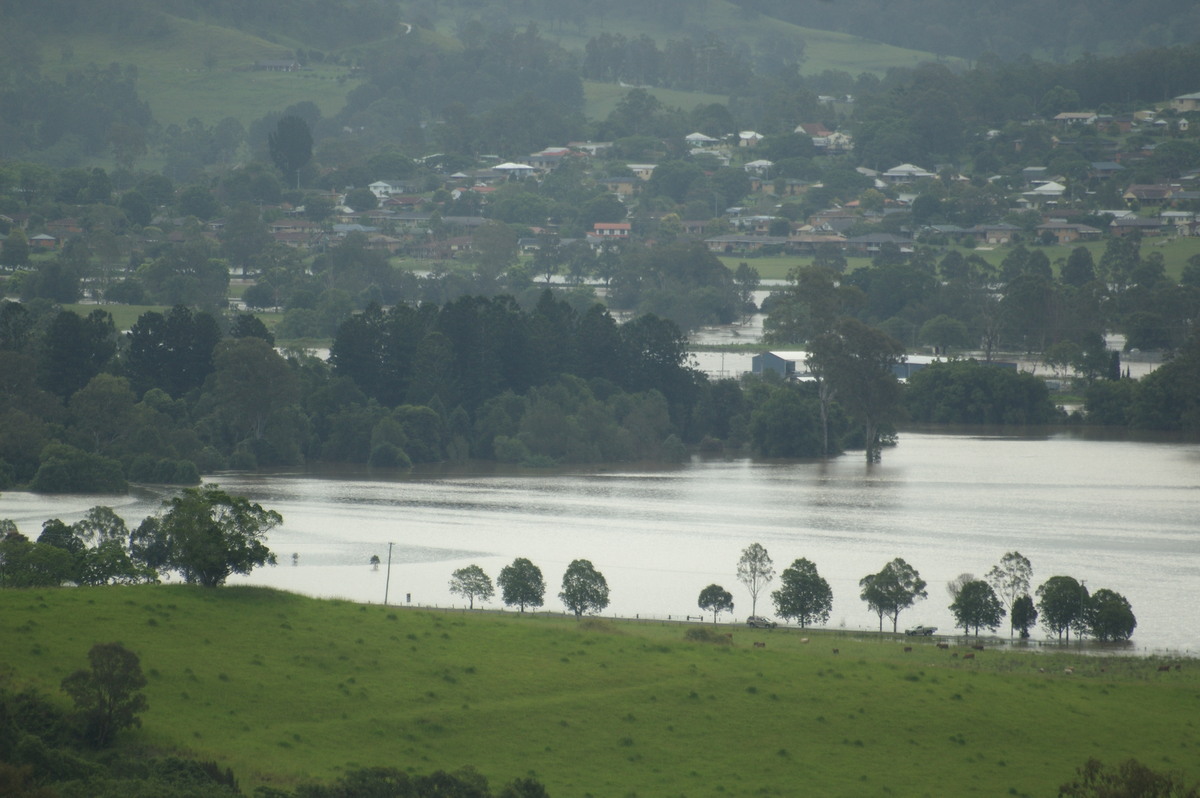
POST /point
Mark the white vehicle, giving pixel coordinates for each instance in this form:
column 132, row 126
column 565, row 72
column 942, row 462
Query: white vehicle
column 760, row 622
column 920, row 631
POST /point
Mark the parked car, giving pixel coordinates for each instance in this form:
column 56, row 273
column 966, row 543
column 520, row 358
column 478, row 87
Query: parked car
column 920, row 631
column 760, row 622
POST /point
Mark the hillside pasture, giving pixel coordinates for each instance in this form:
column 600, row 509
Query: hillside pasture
column 282, row 689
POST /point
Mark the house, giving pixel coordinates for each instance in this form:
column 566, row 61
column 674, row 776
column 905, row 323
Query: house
column 698, row 139
column 834, row 143
column 517, row 171
column 549, row 157
column 814, row 129
column 749, row 138
column 612, row 229
column 390, row 188
column 1103, row 170
column 641, row 170
column 43, row 241
column 874, row 242
column 792, row 365
column 738, row 244
column 1001, row 233
column 761, row 167
column 808, row 243
column 1046, row 192
column 277, row 65
column 1144, row 194
column 782, row 363
column 1067, row 233
column 1068, row 118
column 905, row 173
column 1126, row 225
column 1183, row 222
column 592, row 148
column 1034, row 175
column 1186, row 102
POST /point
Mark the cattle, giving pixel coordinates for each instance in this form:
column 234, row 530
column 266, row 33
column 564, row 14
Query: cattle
column 908, row 649
column 1164, row 668
column 759, row 645
column 835, row 651
column 977, row 647
column 804, row 640
column 1068, row 671
column 943, row 645
column 969, row 656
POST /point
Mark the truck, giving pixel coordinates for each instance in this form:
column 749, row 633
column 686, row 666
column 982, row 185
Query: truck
column 920, row 631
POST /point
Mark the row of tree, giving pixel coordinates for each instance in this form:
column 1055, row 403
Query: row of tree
column 584, row 589
column 1063, row 603
column 202, row 534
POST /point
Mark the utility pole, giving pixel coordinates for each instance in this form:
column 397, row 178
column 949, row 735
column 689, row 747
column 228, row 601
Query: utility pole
column 387, row 583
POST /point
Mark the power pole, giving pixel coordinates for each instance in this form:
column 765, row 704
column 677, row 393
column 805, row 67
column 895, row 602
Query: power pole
column 387, row 583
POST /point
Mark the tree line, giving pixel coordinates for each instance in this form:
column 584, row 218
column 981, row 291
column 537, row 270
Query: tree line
column 805, row 597
column 1063, row 604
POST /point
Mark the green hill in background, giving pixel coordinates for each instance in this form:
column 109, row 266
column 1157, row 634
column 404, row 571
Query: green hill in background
column 203, row 70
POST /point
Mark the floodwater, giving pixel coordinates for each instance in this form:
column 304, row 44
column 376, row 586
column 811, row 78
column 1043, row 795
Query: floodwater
column 1115, row 513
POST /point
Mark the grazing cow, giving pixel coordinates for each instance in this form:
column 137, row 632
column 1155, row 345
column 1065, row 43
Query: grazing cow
column 1068, row 671
column 969, row 656
column 759, row 645
column 943, row 645
column 977, row 647
column 804, row 640
column 835, row 651
column 1164, row 667
column 908, row 649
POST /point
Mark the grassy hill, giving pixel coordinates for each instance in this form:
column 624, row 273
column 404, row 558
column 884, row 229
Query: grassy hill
column 283, row 688
column 823, row 49
column 200, row 70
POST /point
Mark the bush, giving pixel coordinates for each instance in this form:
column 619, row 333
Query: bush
column 389, row 455
column 702, row 634
column 65, row 469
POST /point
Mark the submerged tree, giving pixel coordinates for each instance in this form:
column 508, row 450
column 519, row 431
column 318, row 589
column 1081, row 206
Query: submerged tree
column 976, row 605
column 856, row 360
column 1109, row 616
column 1010, row 579
column 1024, row 615
column 1062, row 603
column 206, row 535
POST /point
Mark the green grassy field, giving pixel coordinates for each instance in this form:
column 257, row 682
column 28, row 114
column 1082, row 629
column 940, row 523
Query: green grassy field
column 600, row 99
column 283, row 688
column 175, row 79
column 1175, row 252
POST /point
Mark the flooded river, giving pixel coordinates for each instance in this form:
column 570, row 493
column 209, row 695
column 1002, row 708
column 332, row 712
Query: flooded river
column 1119, row 514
